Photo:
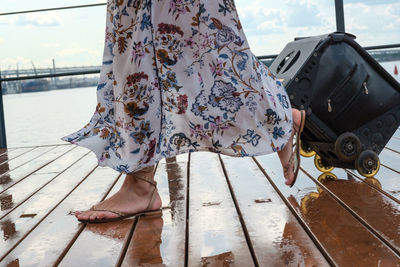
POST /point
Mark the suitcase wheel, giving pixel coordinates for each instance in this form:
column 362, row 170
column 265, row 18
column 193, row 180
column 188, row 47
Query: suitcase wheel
column 367, row 164
column 321, row 165
column 306, row 150
column 347, row 146
column 326, row 176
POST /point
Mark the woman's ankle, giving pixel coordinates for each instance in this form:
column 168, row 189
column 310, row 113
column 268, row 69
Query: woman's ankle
column 138, row 185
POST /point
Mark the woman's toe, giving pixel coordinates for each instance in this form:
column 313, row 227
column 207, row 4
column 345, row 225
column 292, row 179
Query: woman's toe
column 100, row 216
column 288, row 181
column 93, row 216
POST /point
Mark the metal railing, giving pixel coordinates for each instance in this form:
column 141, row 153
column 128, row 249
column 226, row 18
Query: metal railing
column 340, row 23
column 50, row 9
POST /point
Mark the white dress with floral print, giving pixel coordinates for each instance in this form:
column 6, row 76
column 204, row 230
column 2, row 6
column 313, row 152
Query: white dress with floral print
column 178, row 76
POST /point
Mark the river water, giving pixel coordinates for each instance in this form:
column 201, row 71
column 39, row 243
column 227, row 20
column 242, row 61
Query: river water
column 42, row 118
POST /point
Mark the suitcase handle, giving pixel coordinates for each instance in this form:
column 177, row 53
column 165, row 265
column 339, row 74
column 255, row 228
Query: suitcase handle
column 288, row 61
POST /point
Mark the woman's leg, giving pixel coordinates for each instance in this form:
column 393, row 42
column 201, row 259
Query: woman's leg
column 286, row 152
column 133, row 196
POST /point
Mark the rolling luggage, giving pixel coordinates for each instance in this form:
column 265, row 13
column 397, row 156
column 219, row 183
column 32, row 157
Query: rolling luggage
column 352, row 103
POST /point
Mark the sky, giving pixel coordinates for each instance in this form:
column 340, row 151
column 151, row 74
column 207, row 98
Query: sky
column 75, row 37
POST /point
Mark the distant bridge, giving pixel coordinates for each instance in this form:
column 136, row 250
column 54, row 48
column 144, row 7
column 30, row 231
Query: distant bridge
column 16, row 81
column 386, row 55
column 383, row 55
column 44, row 71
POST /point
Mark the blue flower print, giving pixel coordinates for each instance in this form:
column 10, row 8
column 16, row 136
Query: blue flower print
column 278, row 133
column 283, row 100
column 225, row 36
column 272, row 117
column 142, row 132
column 199, row 107
column 252, row 137
column 241, row 65
column 123, row 168
column 224, row 96
column 145, row 23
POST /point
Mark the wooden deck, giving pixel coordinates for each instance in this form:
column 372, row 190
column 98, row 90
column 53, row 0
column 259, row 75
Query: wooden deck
column 218, row 211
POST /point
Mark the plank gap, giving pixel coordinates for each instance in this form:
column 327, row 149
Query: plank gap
column 317, row 243
column 245, row 231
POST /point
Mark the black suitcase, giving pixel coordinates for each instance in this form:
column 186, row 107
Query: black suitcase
column 352, row 103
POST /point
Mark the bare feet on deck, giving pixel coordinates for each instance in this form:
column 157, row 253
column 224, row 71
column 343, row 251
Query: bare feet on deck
column 133, row 197
column 286, row 152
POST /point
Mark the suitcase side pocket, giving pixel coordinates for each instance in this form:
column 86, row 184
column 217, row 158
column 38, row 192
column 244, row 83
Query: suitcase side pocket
column 363, row 90
column 339, row 88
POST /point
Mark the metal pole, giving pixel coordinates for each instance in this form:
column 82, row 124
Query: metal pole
column 3, row 139
column 339, row 16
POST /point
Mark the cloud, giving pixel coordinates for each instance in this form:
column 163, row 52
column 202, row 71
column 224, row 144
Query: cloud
column 72, row 51
column 373, row 25
column 13, row 62
column 269, row 25
column 51, row 45
column 40, row 20
column 76, row 51
column 372, row 2
column 302, row 15
column 35, row 19
column 8, row 20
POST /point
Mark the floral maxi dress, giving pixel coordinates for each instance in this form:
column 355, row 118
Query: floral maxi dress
column 178, row 76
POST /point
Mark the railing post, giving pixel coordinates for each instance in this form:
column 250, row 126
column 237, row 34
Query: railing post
column 3, row 139
column 339, row 16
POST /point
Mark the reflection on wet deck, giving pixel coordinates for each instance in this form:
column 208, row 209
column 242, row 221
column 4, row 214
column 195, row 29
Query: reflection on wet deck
column 218, row 211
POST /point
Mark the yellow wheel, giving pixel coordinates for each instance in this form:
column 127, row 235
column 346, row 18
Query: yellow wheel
column 306, row 200
column 373, row 181
column 320, row 166
column 326, row 176
column 306, row 150
column 368, row 164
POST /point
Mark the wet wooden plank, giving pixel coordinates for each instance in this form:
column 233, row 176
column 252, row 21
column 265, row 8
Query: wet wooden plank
column 334, row 226
column 397, row 133
column 29, row 156
column 161, row 241
column 394, row 143
column 15, row 195
column 29, row 165
column 12, row 154
column 21, row 221
column 216, row 237
column 46, row 243
column 145, row 245
column 277, row 237
column 5, row 150
column 98, row 244
column 377, row 210
column 390, row 159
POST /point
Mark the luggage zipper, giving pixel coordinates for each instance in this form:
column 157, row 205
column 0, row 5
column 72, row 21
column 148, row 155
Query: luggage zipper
column 340, row 86
column 329, row 106
column 362, row 89
column 365, row 87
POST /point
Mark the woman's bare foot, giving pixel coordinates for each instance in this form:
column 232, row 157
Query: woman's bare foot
column 134, row 196
column 286, row 152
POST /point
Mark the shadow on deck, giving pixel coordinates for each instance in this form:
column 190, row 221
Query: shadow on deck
column 218, row 211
